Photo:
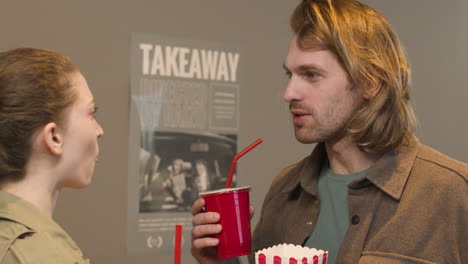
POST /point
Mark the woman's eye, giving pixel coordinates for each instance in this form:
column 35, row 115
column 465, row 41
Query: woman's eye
column 95, row 111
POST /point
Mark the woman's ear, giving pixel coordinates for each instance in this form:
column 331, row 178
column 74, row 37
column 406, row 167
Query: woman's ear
column 373, row 90
column 52, row 138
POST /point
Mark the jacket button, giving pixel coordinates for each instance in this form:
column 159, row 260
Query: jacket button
column 355, row 219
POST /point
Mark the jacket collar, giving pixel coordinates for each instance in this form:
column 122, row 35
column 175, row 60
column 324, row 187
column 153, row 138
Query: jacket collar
column 23, row 212
column 16, row 209
column 307, row 172
column 390, row 173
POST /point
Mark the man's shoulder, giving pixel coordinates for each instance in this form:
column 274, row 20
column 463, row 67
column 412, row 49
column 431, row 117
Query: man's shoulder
column 285, row 171
column 442, row 165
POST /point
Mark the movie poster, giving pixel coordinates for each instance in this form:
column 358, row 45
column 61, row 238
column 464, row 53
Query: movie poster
column 184, row 124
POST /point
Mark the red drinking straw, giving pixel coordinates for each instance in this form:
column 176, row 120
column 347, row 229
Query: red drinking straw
column 178, row 244
column 236, row 157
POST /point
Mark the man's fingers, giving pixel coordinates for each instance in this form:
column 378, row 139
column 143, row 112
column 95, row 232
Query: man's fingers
column 197, row 206
column 205, row 242
column 205, row 230
column 252, row 211
column 205, row 218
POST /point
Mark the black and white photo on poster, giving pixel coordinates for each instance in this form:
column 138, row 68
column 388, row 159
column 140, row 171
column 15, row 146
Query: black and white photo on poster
column 183, row 132
column 183, row 165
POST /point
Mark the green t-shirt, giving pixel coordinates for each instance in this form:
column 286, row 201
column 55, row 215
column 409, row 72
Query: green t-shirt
column 333, row 219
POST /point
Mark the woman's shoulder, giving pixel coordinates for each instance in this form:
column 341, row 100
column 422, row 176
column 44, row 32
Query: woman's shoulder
column 10, row 228
column 24, row 245
column 10, row 233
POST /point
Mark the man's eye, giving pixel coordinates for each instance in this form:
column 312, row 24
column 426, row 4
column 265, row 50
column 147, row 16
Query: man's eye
column 288, row 74
column 311, row 75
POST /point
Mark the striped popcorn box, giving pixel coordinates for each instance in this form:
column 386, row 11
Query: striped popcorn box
column 290, row 254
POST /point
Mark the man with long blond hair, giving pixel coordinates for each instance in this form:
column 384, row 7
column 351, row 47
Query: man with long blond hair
column 369, row 192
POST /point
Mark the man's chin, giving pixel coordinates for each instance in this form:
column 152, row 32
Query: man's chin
column 306, row 139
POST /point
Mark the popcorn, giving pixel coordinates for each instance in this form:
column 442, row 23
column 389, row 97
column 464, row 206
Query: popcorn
column 290, row 254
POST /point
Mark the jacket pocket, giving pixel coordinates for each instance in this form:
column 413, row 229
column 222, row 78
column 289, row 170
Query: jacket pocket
column 375, row 257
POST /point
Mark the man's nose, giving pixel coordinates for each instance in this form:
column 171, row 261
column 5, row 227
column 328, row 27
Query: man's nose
column 292, row 92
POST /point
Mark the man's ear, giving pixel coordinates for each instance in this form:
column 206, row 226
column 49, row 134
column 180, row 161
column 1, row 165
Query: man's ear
column 52, row 138
column 373, row 89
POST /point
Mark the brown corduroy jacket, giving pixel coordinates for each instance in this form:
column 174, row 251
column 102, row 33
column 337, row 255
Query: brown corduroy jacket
column 411, row 207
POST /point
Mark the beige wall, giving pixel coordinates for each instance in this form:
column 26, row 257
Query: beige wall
column 96, row 34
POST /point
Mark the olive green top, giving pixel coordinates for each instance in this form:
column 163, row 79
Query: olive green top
column 46, row 243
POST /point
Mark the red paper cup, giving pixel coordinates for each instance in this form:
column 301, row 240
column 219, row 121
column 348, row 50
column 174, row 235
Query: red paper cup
column 232, row 204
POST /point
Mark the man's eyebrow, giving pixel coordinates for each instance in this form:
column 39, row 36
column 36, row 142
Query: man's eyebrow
column 306, row 67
